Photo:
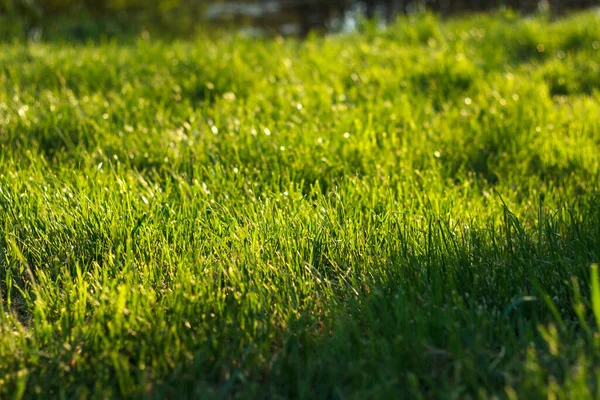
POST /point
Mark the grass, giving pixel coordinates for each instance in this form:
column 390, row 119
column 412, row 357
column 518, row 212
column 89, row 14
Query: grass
column 411, row 212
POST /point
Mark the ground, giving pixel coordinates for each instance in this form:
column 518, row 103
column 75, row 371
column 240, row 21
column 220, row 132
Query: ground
column 407, row 212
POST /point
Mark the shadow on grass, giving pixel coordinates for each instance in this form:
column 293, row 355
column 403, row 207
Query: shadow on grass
column 445, row 309
column 442, row 319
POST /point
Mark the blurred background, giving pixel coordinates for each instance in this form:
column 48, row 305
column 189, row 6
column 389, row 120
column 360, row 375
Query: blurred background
column 88, row 19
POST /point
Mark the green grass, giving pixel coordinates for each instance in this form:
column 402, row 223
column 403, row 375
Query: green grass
column 411, row 212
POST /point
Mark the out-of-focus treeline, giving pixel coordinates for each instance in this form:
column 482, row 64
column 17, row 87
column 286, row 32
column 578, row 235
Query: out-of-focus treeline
column 93, row 18
column 96, row 18
column 99, row 7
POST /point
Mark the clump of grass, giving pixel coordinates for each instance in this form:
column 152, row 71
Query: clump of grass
column 409, row 212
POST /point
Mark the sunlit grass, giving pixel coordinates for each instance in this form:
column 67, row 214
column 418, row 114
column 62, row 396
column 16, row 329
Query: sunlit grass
column 399, row 213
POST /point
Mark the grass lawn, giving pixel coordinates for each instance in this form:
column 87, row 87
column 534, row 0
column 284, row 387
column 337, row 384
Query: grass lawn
column 410, row 212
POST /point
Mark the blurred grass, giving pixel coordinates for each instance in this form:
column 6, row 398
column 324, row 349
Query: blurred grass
column 410, row 212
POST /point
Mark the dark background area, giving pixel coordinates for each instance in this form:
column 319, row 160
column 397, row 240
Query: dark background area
column 84, row 19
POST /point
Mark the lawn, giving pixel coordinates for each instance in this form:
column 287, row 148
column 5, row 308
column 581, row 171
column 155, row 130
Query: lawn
column 408, row 212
